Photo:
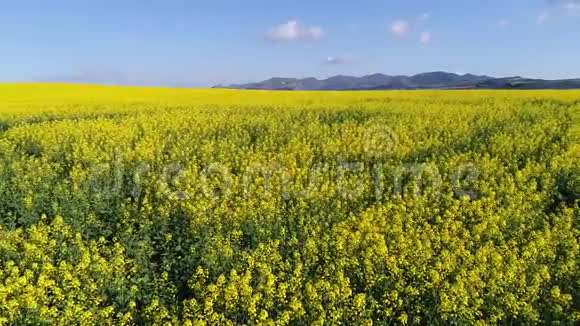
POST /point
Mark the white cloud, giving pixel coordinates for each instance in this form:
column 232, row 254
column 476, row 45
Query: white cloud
column 400, row 28
column 543, row 17
column 425, row 16
column 572, row 8
column 295, row 31
column 425, row 38
column 568, row 7
column 503, row 23
column 565, row 3
column 336, row 60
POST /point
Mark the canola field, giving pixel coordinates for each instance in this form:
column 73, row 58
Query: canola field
column 161, row 206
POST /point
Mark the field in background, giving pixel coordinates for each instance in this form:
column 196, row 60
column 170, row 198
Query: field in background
column 124, row 205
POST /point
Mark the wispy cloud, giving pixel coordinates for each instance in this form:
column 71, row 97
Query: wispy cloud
column 559, row 9
column 425, row 16
column 331, row 60
column 571, row 7
column 400, row 28
column 425, row 37
column 564, row 2
column 294, row 31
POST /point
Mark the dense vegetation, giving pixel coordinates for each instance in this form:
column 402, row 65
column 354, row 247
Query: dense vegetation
column 169, row 206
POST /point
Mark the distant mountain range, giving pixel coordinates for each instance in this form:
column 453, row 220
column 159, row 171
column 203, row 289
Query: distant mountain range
column 430, row 80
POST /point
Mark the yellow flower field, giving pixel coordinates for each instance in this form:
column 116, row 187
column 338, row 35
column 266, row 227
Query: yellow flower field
column 128, row 205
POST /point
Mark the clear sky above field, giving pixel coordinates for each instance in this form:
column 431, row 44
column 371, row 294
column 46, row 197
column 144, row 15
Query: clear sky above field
column 201, row 43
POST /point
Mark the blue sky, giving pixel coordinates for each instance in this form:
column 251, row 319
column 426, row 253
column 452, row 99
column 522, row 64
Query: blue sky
column 202, row 43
